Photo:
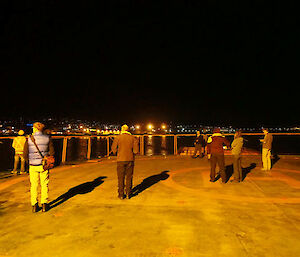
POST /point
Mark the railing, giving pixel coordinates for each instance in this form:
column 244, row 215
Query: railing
column 67, row 146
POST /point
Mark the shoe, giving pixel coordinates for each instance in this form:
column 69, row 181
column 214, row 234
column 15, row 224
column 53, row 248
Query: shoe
column 121, row 197
column 212, row 180
column 22, row 172
column 14, row 172
column 45, row 207
column 35, row 208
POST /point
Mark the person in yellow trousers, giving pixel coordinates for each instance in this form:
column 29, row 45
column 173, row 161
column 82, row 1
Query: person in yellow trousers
column 18, row 145
column 36, row 170
column 266, row 149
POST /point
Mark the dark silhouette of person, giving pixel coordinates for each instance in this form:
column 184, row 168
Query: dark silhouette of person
column 80, row 189
column 150, row 181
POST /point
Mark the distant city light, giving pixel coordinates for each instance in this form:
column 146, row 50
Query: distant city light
column 150, row 126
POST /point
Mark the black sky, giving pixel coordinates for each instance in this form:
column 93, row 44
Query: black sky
column 215, row 62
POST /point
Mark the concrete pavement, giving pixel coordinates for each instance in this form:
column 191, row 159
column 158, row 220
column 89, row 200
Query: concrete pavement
column 175, row 211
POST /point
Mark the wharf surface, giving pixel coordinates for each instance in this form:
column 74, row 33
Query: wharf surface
column 175, row 211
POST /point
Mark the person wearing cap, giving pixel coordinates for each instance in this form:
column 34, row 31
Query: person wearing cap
column 36, row 170
column 266, row 149
column 215, row 154
column 126, row 146
column 18, row 145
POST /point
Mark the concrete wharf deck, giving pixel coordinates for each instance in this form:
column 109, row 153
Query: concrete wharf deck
column 176, row 211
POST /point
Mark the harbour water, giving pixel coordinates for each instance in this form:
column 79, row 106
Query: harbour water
column 153, row 145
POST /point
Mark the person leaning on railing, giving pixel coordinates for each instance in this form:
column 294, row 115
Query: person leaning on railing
column 18, row 145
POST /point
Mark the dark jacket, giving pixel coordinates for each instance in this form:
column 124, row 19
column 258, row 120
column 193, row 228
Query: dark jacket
column 199, row 140
column 215, row 144
column 126, row 145
column 44, row 144
column 267, row 142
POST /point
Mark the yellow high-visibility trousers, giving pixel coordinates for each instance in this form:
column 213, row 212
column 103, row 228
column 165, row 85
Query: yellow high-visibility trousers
column 266, row 158
column 37, row 173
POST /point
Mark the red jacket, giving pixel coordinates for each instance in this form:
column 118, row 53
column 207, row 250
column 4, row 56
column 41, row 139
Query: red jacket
column 215, row 144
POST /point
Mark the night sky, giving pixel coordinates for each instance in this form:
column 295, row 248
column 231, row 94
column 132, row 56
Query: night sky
column 209, row 62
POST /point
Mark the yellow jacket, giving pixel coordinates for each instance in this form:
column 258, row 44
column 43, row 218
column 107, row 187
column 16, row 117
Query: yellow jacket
column 18, row 144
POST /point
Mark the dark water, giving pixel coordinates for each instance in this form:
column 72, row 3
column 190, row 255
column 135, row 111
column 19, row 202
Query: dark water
column 153, row 145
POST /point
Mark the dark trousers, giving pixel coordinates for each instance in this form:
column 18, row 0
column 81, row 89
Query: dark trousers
column 125, row 173
column 217, row 159
column 237, row 168
column 198, row 148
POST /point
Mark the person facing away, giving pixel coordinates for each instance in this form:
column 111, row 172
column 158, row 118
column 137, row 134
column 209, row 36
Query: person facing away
column 18, row 145
column 205, row 138
column 236, row 150
column 126, row 146
column 199, row 144
column 266, row 149
column 215, row 154
column 36, row 170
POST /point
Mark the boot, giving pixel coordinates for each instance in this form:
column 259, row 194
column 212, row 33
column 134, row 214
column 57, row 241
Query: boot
column 35, row 208
column 45, row 207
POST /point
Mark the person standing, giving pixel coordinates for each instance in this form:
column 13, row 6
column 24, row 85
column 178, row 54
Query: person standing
column 18, row 145
column 199, row 143
column 266, row 149
column 205, row 138
column 126, row 146
column 215, row 154
column 36, row 143
column 236, row 150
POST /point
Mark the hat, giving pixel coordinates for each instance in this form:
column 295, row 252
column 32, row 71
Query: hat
column 216, row 130
column 21, row 132
column 124, row 127
column 39, row 126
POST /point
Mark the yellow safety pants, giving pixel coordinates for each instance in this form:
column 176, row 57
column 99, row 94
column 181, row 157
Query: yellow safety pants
column 266, row 158
column 37, row 173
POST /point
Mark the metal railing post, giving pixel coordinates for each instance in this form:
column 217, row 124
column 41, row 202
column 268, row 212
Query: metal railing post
column 107, row 146
column 142, row 145
column 64, row 151
column 175, row 145
column 89, row 149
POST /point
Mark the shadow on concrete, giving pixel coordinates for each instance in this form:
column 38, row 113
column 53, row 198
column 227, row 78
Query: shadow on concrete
column 80, row 189
column 274, row 158
column 247, row 170
column 228, row 171
column 148, row 182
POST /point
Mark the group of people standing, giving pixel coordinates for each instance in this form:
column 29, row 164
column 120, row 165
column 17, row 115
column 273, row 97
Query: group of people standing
column 34, row 147
column 214, row 146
